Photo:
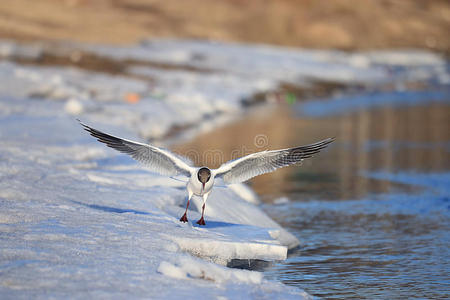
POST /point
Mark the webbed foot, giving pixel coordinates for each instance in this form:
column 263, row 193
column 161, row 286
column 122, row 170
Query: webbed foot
column 201, row 221
column 184, row 218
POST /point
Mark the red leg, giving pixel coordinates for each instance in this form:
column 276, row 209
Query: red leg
column 184, row 217
column 202, row 221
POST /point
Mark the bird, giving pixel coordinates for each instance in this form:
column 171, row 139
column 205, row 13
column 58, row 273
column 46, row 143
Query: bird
column 201, row 179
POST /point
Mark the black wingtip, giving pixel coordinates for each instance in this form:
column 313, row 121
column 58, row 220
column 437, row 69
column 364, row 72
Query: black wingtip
column 85, row 127
column 81, row 123
column 327, row 141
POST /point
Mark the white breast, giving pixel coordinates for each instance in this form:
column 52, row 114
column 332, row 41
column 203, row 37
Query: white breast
column 196, row 186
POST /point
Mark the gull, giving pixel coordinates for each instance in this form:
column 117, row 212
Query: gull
column 201, row 179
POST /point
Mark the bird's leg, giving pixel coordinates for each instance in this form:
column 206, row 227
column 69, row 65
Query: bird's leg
column 184, row 217
column 202, row 221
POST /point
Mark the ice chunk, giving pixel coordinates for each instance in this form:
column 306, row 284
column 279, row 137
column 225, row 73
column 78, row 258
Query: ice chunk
column 188, row 267
column 221, row 242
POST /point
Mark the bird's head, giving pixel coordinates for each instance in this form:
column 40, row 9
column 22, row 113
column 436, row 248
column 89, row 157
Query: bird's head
column 203, row 175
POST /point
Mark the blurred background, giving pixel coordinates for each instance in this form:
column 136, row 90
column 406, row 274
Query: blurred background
column 214, row 80
column 341, row 24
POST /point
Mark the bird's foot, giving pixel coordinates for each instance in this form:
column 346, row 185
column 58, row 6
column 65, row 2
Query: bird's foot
column 201, row 221
column 184, row 218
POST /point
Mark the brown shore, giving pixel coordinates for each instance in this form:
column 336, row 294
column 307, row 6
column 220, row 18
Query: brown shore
column 339, row 24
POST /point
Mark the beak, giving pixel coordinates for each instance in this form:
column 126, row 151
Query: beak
column 203, row 186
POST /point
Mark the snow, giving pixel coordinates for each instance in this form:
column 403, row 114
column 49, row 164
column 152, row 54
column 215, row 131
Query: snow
column 189, row 267
column 202, row 80
column 77, row 219
column 281, row 201
column 80, row 220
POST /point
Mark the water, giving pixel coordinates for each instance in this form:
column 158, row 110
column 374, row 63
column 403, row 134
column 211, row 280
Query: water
column 372, row 212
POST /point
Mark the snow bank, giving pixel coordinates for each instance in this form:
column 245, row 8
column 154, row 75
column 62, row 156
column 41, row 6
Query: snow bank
column 79, row 219
column 181, row 82
column 263, row 64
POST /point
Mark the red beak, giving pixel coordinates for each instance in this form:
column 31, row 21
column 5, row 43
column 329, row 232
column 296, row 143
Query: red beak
column 203, row 186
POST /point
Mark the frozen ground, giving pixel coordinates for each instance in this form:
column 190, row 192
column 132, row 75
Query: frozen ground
column 79, row 219
column 182, row 82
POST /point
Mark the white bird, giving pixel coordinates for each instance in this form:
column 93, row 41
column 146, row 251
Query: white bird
column 201, row 180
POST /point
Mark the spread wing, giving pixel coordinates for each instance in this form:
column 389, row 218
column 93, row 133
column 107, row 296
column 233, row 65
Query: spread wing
column 158, row 160
column 255, row 164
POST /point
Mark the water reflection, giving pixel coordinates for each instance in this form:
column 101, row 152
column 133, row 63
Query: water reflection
column 372, row 211
column 388, row 138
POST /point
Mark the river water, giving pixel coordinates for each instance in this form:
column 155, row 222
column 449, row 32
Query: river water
column 372, row 211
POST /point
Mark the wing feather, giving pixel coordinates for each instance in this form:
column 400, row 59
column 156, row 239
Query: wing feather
column 244, row 168
column 158, row 160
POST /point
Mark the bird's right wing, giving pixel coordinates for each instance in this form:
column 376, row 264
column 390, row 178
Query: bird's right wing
column 156, row 159
column 255, row 164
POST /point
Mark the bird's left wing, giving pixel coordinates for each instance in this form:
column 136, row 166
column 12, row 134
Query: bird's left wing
column 158, row 160
column 255, row 164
